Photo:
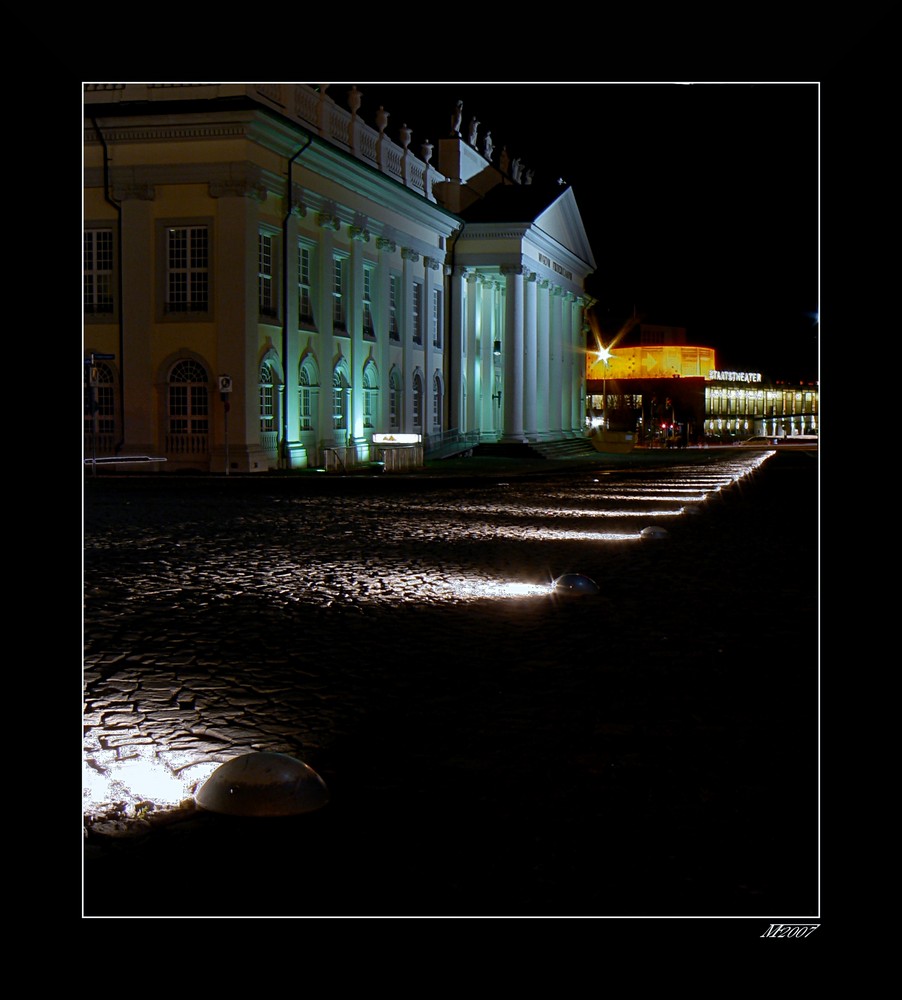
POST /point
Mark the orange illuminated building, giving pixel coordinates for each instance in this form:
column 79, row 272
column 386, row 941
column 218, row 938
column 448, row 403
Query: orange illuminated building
column 668, row 391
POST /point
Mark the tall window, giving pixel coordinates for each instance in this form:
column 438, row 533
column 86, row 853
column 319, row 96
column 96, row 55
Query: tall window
column 417, row 401
column 340, row 387
column 370, row 391
column 267, row 416
column 266, row 298
column 188, row 275
column 98, row 271
column 394, row 294
column 339, row 320
column 189, row 402
column 394, row 399
column 436, row 403
column 308, row 382
column 305, row 287
column 417, row 312
column 99, row 399
column 369, row 327
column 436, row 317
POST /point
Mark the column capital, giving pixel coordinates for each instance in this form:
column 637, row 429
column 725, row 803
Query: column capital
column 431, row 263
column 325, row 220
column 389, row 246
column 360, row 234
column 515, row 269
column 408, row 254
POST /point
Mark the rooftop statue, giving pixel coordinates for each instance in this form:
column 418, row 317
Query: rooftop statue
column 457, row 117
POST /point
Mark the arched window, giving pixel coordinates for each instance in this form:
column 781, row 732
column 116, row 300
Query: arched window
column 394, row 399
column 437, row 399
column 417, row 401
column 370, row 394
column 308, row 388
column 189, row 399
column 265, row 390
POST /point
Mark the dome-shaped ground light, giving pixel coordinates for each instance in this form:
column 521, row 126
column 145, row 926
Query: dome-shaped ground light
column 575, row 584
column 263, row 784
column 654, row 531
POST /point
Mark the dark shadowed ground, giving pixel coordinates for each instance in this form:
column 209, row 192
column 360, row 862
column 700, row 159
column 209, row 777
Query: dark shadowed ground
column 650, row 751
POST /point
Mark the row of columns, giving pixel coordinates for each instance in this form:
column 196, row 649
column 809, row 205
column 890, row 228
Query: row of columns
column 533, row 390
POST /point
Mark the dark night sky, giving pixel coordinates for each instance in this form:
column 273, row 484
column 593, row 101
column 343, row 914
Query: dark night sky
column 701, row 201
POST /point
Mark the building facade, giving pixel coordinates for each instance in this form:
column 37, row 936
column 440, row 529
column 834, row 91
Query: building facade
column 664, row 389
column 272, row 283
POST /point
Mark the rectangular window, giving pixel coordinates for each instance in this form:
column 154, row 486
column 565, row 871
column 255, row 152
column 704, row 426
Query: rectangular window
column 436, row 318
column 338, row 416
column 266, row 408
column 187, row 268
column 393, row 329
column 417, row 316
column 369, row 327
column 98, row 271
column 339, row 320
column 305, row 289
column 265, row 294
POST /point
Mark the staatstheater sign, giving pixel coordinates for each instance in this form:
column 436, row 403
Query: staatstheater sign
column 717, row 376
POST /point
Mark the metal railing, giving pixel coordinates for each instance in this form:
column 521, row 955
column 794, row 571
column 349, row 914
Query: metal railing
column 447, row 443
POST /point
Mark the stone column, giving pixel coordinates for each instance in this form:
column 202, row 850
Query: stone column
column 459, row 384
column 512, row 353
column 543, row 355
column 359, row 351
column 386, row 249
column 486, row 358
column 325, row 431
column 556, row 362
column 237, row 320
column 409, row 257
column 530, row 359
column 430, row 272
column 294, row 452
column 141, row 434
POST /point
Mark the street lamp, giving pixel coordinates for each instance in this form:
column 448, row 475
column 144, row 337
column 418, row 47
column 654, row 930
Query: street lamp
column 604, row 355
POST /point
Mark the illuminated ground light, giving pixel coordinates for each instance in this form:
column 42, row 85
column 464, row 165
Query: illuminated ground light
column 654, row 531
column 140, row 783
column 263, row 784
column 575, row 585
column 493, row 589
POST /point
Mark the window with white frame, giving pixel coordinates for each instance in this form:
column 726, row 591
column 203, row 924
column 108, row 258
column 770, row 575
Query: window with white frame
column 98, row 271
column 436, row 403
column 369, row 326
column 189, row 399
column 308, row 383
column 100, row 411
column 340, row 386
column 417, row 316
column 187, row 269
column 417, row 401
column 265, row 389
column 339, row 314
column 437, row 318
column 370, row 392
column 305, row 284
column 394, row 294
column 394, row 399
column 266, row 295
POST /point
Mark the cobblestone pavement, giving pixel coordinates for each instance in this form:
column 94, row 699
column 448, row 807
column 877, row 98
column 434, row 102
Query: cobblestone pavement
column 612, row 754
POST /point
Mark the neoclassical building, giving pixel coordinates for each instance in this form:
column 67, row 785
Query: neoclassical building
column 270, row 282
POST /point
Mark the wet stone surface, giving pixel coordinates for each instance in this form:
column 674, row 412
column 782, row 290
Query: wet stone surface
column 484, row 755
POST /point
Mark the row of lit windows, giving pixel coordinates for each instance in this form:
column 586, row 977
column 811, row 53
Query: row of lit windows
column 188, row 283
column 189, row 407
